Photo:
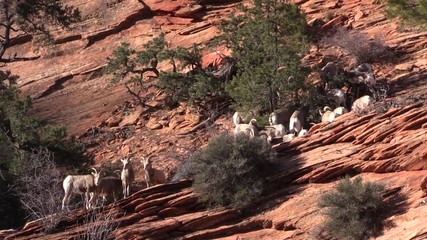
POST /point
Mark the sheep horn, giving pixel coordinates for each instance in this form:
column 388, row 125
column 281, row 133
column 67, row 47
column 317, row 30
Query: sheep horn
column 94, row 169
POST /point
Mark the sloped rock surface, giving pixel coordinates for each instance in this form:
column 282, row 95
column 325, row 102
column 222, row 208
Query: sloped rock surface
column 68, row 88
column 388, row 148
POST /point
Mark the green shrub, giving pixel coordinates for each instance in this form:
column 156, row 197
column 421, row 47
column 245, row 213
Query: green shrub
column 355, row 210
column 230, row 171
column 413, row 12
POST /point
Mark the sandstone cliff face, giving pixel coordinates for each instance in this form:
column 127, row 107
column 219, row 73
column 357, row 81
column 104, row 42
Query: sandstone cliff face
column 387, row 147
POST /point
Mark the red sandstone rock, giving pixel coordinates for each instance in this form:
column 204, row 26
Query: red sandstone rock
column 113, row 121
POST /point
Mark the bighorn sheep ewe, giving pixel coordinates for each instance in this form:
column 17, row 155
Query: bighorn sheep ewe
column 146, row 162
column 127, row 176
column 243, row 117
column 267, row 136
column 328, row 115
column 362, row 75
column 109, row 188
column 153, row 176
column 81, row 184
column 250, row 129
column 296, row 121
column 362, row 104
column 340, row 111
column 273, row 133
column 282, row 116
column 338, row 96
column 328, row 72
column 276, row 130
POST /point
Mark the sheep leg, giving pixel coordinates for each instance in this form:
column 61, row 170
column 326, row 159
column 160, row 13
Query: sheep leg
column 147, row 178
column 115, row 196
column 86, row 200
column 89, row 197
column 65, row 200
column 124, row 190
column 104, row 200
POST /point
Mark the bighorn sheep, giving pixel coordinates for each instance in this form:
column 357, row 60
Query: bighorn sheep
column 362, row 104
column 276, row 130
column 338, row 96
column 328, row 72
column 340, row 111
column 146, row 162
column 109, row 188
column 296, row 121
column 152, row 176
column 81, row 184
column 267, row 136
column 127, row 176
column 282, row 116
column 243, row 117
column 273, row 133
column 250, row 129
column 328, row 115
column 362, row 76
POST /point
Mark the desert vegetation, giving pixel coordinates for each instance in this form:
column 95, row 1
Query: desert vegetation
column 186, row 81
column 360, row 46
column 413, row 12
column 269, row 68
column 354, row 209
column 230, row 171
column 27, row 145
column 32, row 16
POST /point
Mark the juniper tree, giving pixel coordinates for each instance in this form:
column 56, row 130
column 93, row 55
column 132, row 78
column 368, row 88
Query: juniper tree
column 31, row 17
column 186, row 80
column 267, row 40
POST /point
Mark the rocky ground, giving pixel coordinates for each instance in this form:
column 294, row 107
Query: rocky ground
column 386, row 145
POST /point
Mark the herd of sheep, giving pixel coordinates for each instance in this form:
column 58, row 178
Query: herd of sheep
column 295, row 119
column 94, row 185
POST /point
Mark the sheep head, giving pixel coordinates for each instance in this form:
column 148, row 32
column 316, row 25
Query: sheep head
column 146, row 162
column 96, row 176
column 126, row 162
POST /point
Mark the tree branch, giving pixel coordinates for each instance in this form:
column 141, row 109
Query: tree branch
column 142, row 71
